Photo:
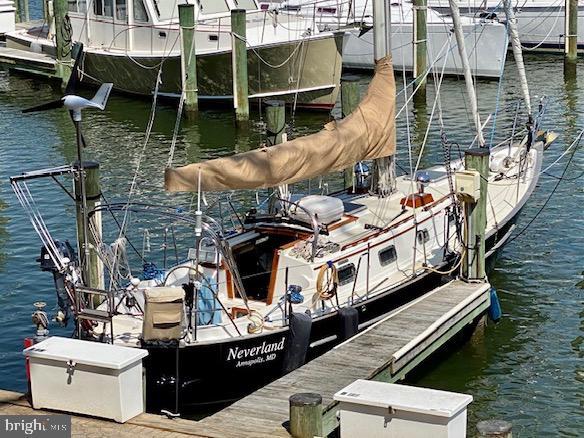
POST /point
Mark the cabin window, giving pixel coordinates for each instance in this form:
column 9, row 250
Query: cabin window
column 108, row 8
column 327, row 10
column 140, row 13
column 105, row 8
column 121, row 11
column 347, row 274
column 213, row 6
column 246, row 4
column 387, row 255
column 423, row 236
column 213, row 37
column 98, row 7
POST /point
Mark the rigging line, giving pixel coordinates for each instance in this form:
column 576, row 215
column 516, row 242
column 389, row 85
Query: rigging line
column 564, row 178
column 537, row 46
column 424, row 76
column 176, row 129
column 576, row 143
column 123, row 234
column 141, row 155
column 560, row 179
column 255, row 51
column 424, row 142
column 438, row 58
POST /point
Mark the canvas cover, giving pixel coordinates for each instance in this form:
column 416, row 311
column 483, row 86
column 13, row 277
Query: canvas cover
column 368, row 133
column 163, row 314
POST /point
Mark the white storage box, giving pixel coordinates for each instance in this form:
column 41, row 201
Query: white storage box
column 376, row 409
column 326, row 208
column 84, row 377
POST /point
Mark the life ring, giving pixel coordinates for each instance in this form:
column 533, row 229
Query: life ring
column 327, row 281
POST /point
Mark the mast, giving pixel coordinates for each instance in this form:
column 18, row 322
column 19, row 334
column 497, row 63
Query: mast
column 383, row 168
column 466, row 69
column 517, row 52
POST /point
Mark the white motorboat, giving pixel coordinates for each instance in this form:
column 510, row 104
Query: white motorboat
column 128, row 42
column 541, row 23
column 486, row 38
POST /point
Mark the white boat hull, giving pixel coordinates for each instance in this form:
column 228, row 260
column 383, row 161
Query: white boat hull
column 540, row 24
column 486, row 55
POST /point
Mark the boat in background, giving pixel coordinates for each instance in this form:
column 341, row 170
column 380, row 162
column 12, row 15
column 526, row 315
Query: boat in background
column 128, row 42
column 486, row 38
column 540, row 22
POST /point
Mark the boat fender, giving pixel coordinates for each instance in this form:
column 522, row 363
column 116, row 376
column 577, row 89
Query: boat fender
column 495, row 307
column 300, row 326
column 348, row 323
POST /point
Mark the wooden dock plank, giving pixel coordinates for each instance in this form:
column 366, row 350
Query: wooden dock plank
column 364, row 356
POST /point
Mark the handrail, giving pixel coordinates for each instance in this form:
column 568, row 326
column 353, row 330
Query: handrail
column 315, row 226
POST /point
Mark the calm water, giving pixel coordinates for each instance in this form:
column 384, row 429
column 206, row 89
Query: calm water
column 528, row 368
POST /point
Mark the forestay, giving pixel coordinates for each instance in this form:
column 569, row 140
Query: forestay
column 368, row 133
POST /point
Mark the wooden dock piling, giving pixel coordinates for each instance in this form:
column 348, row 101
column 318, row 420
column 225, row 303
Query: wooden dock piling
column 25, row 11
column 275, row 121
column 239, row 66
column 63, row 40
column 188, row 58
column 571, row 38
column 305, row 415
column 473, row 263
column 420, row 36
column 93, row 267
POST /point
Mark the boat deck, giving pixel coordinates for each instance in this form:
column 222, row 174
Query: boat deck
column 386, row 351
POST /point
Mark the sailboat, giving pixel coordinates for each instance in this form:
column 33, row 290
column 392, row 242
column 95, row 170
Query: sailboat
column 252, row 303
column 486, row 37
column 127, row 43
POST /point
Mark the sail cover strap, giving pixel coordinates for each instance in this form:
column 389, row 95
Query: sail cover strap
column 368, row 133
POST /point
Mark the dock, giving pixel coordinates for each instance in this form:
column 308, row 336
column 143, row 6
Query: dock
column 28, row 61
column 38, row 64
column 386, row 351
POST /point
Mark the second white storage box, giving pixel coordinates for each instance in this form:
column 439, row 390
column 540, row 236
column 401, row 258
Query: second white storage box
column 84, row 377
column 376, row 409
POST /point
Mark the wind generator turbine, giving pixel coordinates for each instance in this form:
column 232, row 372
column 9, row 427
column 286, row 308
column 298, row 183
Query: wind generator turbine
column 76, row 104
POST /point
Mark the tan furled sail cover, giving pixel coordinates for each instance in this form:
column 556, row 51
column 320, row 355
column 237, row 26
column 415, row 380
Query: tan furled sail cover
column 369, row 132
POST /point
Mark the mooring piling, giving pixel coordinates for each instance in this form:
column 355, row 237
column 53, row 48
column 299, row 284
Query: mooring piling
column 239, row 66
column 275, row 121
column 570, row 38
column 63, row 40
column 92, row 265
column 305, row 415
column 475, row 212
column 420, row 37
column 188, row 58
